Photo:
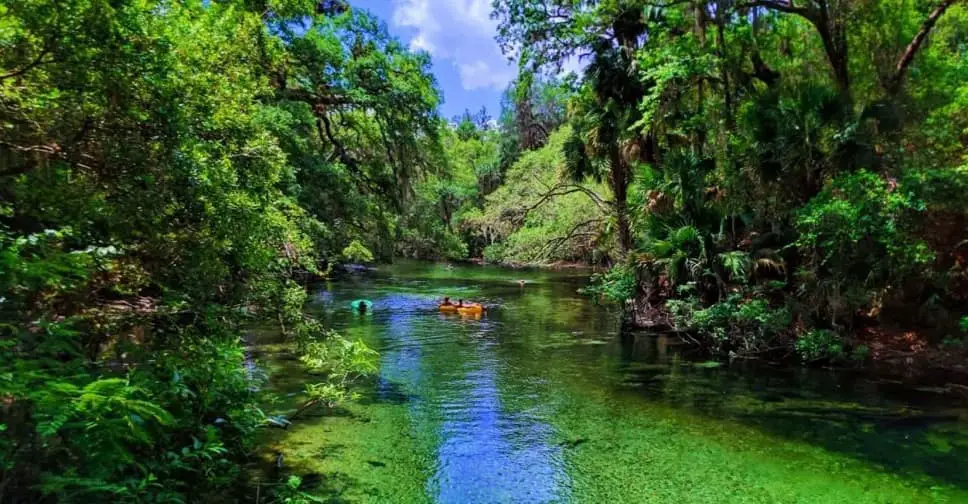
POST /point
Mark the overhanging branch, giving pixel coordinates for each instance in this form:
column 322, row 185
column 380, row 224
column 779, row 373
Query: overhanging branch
column 781, row 6
column 39, row 60
column 900, row 70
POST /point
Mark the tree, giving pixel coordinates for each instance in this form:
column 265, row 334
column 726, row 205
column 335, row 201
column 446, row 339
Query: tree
column 532, row 108
column 729, row 133
column 607, row 32
column 832, row 21
column 168, row 173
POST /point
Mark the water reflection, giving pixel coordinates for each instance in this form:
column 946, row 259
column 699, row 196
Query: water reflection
column 487, row 455
column 484, row 454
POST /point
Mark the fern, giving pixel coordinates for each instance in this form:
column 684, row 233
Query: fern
column 737, row 263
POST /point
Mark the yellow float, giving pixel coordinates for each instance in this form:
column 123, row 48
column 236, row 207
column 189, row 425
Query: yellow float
column 474, row 309
column 463, row 309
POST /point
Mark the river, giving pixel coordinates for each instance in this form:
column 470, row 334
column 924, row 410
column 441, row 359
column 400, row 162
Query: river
column 544, row 400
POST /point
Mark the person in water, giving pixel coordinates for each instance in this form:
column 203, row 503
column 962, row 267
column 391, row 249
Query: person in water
column 362, row 307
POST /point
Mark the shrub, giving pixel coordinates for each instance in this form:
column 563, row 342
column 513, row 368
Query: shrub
column 736, row 323
column 856, row 240
column 495, row 252
column 342, row 361
column 860, row 353
column 819, row 344
column 357, row 252
column 616, row 285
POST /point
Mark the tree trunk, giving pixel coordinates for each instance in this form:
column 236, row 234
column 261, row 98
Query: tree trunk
column 724, row 70
column 900, row 69
column 619, row 180
column 835, row 45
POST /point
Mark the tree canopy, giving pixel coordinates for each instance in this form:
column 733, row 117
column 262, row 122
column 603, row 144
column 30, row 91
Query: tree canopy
column 771, row 161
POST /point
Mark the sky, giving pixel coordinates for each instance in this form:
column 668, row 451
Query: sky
column 459, row 35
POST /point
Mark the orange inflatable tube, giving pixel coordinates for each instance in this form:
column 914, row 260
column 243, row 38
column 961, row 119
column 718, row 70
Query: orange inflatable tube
column 471, row 309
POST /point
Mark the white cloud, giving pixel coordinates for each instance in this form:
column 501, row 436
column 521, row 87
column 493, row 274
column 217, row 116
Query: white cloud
column 480, row 75
column 414, row 13
column 420, row 43
column 460, row 32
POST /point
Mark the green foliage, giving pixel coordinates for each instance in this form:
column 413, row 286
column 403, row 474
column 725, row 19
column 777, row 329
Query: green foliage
column 859, row 219
column 172, row 171
column 290, row 493
column 541, row 215
column 811, row 154
column 819, row 344
column 357, row 252
column 616, row 285
column 860, row 353
column 856, row 236
column 355, row 111
column 342, row 362
column 680, row 254
column 737, row 263
column 433, row 226
column 735, row 324
column 168, row 173
column 533, row 107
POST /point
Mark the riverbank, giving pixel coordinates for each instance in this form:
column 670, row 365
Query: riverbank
column 552, row 266
column 907, row 355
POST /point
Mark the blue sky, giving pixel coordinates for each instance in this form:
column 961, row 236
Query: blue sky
column 459, row 35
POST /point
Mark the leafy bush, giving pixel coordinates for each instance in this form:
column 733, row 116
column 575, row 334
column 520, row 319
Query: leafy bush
column 860, row 353
column 357, row 252
column 855, row 238
column 342, row 362
column 737, row 263
column 617, row 285
column 819, row 344
column 290, row 493
column 495, row 252
column 737, row 324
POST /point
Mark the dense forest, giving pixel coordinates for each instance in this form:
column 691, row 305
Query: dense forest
column 764, row 177
column 781, row 175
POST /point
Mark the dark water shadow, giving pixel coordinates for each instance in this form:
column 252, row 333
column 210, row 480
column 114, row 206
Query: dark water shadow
column 904, row 432
column 316, row 413
column 385, row 391
column 902, row 444
column 331, row 487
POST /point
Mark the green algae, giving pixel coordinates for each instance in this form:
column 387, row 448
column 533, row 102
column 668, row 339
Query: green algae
column 542, row 400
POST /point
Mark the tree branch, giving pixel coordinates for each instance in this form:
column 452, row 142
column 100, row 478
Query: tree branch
column 778, row 5
column 565, row 189
column 26, row 68
column 554, row 243
column 908, row 56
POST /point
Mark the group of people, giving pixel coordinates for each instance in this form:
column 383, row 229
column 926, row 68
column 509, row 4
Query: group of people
column 461, row 307
column 361, row 306
column 460, row 303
